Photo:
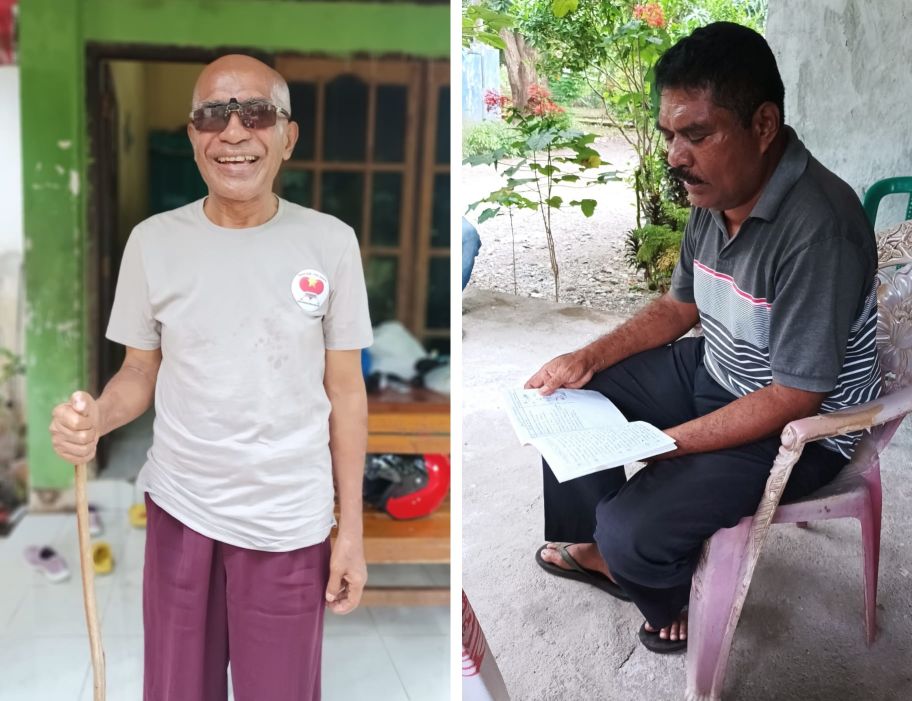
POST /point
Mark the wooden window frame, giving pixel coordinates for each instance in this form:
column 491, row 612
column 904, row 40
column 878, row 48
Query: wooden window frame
column 422, row 80
column 436, row 77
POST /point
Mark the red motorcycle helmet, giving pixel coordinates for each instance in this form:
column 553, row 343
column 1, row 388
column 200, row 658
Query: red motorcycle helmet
column 406, row 486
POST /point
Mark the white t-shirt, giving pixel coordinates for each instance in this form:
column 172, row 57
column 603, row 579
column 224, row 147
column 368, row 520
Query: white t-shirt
column 240, row 451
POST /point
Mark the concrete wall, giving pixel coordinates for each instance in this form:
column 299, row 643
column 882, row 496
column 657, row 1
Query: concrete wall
column 10, row 216
column 848, row 85
column 132, row 152
column 480, row 73
column 11, row 162
column 171, row 84
column 150, row 96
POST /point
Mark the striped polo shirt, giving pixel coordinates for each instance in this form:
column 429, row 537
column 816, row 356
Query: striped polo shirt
column 792, row 298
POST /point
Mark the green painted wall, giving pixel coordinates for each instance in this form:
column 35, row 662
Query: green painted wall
column 324, row 27
column 53, row 160
column 52, row 38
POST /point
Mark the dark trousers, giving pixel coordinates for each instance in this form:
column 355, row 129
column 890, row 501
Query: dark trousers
column 207, row 602
column 651, row 528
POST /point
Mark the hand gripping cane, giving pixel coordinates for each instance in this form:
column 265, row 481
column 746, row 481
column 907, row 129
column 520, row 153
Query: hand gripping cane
column 88, row 585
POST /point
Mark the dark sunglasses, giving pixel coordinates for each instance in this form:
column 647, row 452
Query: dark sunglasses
column 254, row 114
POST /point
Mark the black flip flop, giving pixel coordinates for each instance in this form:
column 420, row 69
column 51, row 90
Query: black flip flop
column 578, row 573
column 663, row 646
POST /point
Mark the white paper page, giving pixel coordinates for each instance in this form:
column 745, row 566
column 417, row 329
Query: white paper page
column 580, row 453
column 534, row 415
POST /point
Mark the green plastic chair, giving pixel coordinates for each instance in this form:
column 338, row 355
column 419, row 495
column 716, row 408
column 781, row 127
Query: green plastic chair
column 882, row 188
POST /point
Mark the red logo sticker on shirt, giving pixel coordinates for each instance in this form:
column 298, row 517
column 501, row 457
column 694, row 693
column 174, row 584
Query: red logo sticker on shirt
column 310, row 288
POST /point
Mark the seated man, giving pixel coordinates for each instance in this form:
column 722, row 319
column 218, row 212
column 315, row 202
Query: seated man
column 778, row 265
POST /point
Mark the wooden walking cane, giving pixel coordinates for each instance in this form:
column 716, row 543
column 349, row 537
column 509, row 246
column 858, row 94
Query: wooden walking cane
column 88, row 585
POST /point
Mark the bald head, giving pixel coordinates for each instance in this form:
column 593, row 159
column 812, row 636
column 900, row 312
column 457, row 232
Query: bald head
column 243, row 77
column 240, row 160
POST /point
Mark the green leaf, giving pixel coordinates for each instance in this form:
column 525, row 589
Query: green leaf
column 588, row 207
column 585, row 153
column 537, row 142
column 513, row 182
column 482, row 159
column 567, row 179
column 492, row 40
column 625, row 99
column 489, row 213
column 554, row 202
column 561, row 8
column 511, row 171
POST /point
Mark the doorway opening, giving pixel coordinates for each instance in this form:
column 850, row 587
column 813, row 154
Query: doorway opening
column 374, row 151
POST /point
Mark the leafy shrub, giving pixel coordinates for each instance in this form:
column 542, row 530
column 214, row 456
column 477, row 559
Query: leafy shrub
column 489, row 135
column 562, row 121
column 654, row 250
column 674, row 216
column 569, row 88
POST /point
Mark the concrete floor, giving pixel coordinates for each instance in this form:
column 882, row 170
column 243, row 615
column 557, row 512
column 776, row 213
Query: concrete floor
column 394, row 653
column 801, row 634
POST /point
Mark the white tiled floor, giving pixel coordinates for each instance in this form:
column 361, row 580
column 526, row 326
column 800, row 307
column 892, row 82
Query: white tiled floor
column 379, row 653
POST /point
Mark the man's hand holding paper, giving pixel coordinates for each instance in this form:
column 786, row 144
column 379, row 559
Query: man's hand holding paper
column 570, row 370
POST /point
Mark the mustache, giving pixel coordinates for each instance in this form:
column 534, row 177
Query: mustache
column 685, row 175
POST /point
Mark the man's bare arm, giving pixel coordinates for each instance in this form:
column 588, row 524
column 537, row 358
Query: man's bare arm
column 131, row 392
column 661, row 322
column 77, row 425
column 750, row 418
column 344, row 385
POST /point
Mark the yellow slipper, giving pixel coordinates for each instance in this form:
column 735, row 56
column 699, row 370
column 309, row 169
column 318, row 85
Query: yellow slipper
column 137, row 515
column 102, row 558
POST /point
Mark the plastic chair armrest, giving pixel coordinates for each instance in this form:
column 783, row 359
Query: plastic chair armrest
column 857, row 418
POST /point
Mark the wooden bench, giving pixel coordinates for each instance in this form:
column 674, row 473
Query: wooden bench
column 414, row 422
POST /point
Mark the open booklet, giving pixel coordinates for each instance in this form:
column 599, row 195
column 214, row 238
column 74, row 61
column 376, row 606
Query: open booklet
column 579, row 431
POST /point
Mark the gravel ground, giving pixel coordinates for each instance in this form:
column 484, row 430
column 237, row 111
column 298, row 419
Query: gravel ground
column 590, row 251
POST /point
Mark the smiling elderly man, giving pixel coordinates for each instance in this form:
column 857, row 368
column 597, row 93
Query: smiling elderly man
column 777, row 264
column 244, row 316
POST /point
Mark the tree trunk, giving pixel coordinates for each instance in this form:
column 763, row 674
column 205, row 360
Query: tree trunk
column 520, row 59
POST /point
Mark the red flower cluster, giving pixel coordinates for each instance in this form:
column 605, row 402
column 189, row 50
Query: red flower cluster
column 494, row 100
column 540, row 103
column 651, row 13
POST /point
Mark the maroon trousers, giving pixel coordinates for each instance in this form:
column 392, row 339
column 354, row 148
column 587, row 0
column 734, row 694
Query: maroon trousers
column 205, row 603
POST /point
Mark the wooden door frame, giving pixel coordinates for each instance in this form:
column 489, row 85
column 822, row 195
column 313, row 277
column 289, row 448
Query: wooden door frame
column 437, row 76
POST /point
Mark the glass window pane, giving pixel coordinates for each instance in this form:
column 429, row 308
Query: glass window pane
column 304, row 112
column 440, row 211
column 342, row 197
column 174, row 178
column 438, row 300
column 443, row 125
column 297, row 187
column 381, row 277
column 386, row 203
column 389, row 130
column 345, row 119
